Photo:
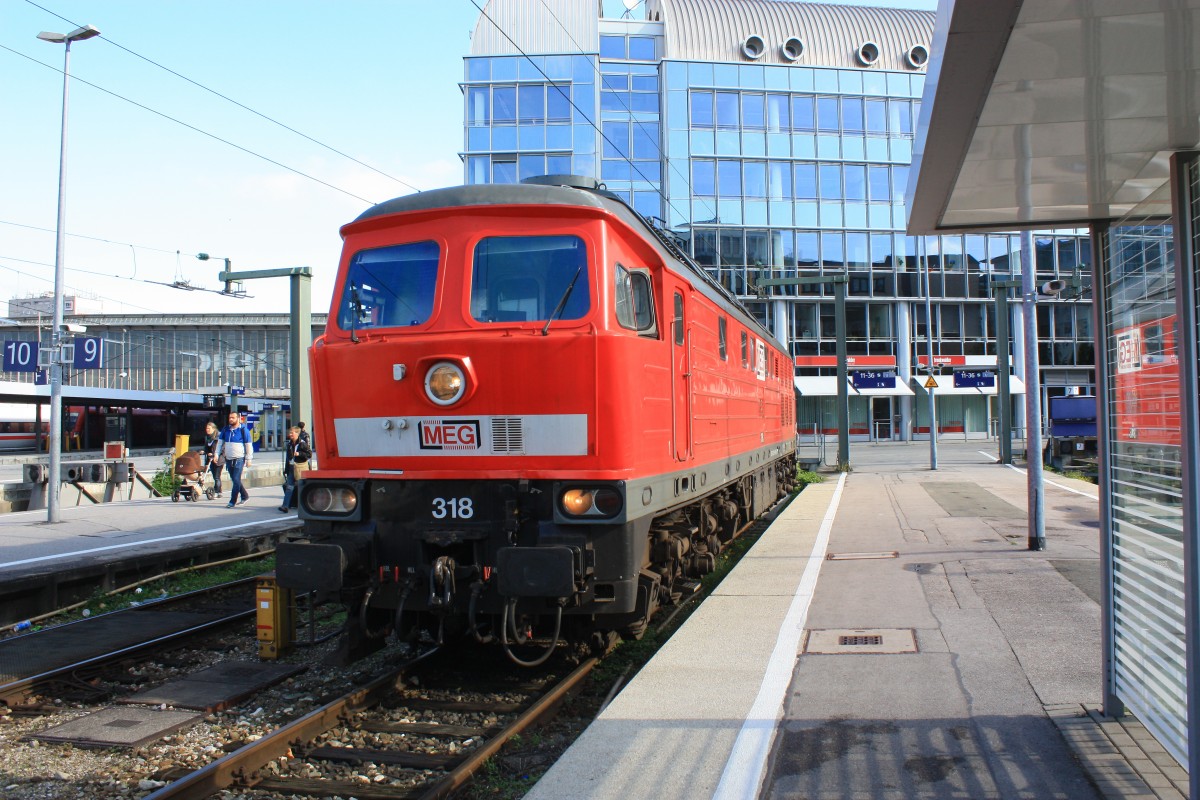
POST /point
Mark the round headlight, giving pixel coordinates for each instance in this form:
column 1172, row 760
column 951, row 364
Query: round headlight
column 319, row 499
column 595, row 502
column 346, row 500
column 331, row 500
column 577, row 502
column 445, row 383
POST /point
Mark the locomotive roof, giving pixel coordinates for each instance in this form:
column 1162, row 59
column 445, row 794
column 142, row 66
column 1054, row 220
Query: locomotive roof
column 567, row 191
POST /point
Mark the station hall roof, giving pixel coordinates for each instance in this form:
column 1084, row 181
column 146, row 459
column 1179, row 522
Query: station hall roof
column 1053, row 114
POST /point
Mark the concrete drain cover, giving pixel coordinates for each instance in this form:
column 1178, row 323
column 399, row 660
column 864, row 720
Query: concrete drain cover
column 118, row 727
column 878, row 641
column 215, row 688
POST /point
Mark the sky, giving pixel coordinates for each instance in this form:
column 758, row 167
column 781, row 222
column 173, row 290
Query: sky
column 377, row 81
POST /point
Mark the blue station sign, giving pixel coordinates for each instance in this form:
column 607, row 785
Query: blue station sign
column 873, row 379
column 975, row 378
column 20, row 356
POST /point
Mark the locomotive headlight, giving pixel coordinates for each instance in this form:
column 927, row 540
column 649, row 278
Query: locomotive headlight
column 331, row 500
column 445, row 383
column 591, row 502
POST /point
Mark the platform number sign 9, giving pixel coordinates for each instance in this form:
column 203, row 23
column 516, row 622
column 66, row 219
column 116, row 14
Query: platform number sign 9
column 20, row 356
column 89, row 352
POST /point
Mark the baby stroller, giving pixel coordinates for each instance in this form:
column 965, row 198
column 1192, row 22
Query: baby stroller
column 190, row 470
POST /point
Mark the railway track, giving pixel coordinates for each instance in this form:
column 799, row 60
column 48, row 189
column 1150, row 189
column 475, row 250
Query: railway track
column 301, row 757
column 34, row 661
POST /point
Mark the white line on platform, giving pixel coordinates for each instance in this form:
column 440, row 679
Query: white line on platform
column 744, row 770
column 1059, row 485
column 90, row 551
column 1052, row 483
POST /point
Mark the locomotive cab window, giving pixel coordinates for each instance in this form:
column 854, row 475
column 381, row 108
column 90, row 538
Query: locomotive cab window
column 389, row 287
column 529, row 279
column 634, row 301
column 722, row 335
column 678, row 323
column 745, row 351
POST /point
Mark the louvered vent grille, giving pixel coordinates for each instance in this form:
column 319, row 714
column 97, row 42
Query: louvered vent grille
column 507, row 435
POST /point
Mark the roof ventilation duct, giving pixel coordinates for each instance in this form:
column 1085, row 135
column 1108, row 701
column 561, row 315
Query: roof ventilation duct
column 753, row 47
column 868, row 53
column 792, row 49
column 917, row 56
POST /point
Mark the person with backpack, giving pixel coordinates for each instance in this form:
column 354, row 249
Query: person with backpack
column 296, row 452
column 238, row 452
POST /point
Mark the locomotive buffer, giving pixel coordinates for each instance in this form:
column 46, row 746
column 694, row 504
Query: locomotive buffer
column 839, row 282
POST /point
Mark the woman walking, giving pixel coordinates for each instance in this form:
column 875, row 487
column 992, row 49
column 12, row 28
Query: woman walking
column 212, row 455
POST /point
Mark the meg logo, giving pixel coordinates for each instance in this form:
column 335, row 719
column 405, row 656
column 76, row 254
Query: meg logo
column 449, row 434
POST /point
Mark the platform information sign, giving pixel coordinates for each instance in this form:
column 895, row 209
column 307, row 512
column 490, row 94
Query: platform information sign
column 873, row 379
column 975, row 378
column 89, row 352
column 20, row 356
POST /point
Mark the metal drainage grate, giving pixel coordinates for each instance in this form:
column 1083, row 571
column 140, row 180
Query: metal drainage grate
column 860, row 641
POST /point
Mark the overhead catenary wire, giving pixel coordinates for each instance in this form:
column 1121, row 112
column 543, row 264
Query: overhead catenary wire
column 638, row 122
column 248, row 151
column 240, row 105
column 582, row 113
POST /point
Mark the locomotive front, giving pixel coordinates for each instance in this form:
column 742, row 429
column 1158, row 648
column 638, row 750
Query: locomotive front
column 462, row 487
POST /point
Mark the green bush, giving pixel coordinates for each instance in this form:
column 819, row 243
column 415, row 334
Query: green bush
column 165, row 480
column 805, row 477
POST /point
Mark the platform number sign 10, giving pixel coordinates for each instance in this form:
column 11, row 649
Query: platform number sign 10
column 89, row 352
column 20, row 356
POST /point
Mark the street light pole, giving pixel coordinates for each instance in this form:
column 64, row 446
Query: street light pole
column 1036, row 535
column 56, row 334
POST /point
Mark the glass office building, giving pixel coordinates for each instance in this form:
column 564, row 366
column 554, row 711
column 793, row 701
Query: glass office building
column 776, row 137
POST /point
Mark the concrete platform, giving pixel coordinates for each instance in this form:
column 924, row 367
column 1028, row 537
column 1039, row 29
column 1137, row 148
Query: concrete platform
column 46, row 566
column 992, row 694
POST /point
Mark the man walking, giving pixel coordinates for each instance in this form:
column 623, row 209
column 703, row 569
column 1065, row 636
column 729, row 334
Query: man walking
column 236, row 446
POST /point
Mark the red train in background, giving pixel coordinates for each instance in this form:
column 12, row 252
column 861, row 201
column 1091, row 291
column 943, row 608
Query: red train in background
column 1147, row 384
column 537, row 421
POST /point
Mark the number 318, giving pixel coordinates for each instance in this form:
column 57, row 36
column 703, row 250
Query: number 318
column 453, row 508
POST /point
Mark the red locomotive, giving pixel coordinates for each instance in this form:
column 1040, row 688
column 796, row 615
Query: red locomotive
column 1147, row 383
column 536, row 420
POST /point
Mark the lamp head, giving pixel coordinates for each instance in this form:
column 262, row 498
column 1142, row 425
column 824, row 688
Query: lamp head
column 77, row 35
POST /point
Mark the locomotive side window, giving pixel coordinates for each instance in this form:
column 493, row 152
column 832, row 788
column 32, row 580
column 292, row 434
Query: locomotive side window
column 745, row 351
column 390, row 287
column 529, row 279
column 634, row 301
column 678, row 323
column 722, row 334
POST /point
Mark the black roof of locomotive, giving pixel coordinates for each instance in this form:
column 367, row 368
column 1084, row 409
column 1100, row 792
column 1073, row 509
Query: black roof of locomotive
column 567, row 190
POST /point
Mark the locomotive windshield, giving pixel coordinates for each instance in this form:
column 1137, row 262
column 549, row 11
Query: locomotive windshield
column 524, row 278
column 389, row 287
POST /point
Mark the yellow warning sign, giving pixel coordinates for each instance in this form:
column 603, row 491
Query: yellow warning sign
column 930, row 383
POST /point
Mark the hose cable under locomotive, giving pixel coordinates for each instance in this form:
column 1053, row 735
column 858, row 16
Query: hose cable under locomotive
column 473, row 613
column 509, row 617
column 396, row 627
column 362, row 617
column 562, row 303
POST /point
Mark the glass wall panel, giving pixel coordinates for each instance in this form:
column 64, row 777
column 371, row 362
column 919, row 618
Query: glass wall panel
column 1143, row 419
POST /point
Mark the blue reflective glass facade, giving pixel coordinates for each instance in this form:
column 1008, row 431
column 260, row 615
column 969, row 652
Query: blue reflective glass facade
column 774, row 170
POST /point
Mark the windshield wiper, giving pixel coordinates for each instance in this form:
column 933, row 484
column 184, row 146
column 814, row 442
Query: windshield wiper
column 355, row 313
column 561, row 303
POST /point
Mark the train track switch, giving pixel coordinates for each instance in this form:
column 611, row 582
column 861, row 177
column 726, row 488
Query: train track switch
column 275, row 623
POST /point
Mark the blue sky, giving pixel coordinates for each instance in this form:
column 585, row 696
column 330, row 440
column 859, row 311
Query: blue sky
column 376, row 80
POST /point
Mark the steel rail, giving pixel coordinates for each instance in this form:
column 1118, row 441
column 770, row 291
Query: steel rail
column 21, row 686
column 243, row 762
column 535, row 714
